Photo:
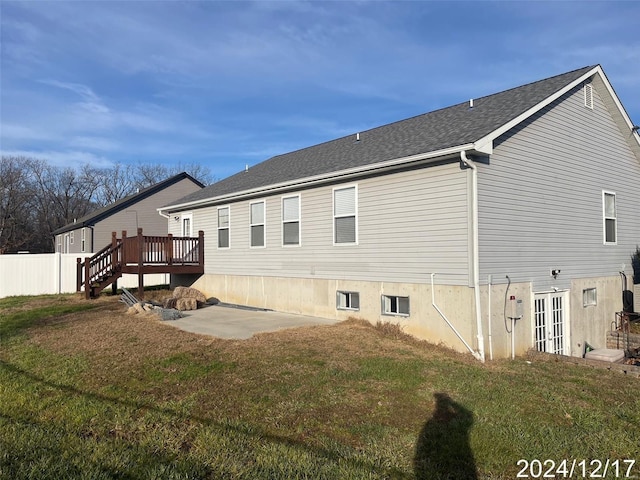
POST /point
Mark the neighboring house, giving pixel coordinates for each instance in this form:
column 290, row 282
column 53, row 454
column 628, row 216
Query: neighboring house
column 520, row 204
column 93, row 231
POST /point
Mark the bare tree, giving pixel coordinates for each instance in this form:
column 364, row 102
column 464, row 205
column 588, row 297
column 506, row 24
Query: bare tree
column 149, row 174
column 38, row 198
column 61, row 196
column 115, row 183
column 16, row 204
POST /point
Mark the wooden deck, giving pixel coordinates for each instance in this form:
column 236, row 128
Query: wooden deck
column 139, row 255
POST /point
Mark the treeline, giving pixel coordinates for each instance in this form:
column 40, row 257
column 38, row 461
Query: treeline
column 37, row 198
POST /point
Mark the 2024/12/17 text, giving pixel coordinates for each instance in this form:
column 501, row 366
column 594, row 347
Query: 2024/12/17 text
column 576, row 468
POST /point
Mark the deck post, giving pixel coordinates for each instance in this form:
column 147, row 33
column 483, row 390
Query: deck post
column 140, row 242
column 200, row 247
column 78, row 274
column 169, row 251
column 87, row 273
column 124, row 248
column 114, row 242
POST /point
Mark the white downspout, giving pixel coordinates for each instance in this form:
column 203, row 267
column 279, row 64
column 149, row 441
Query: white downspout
column 444, row 317
column 476, row 248
column 489, row 282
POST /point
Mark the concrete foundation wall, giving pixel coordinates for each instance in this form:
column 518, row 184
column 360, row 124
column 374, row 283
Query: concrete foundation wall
column 591, row 323
column 317, row 297
column 497, row 325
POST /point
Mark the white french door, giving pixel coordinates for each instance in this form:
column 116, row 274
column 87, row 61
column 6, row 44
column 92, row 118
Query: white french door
column 550, row 322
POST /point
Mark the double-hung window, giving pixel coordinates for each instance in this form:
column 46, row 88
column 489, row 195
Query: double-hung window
column 291, row 220
column 609, row 217
column 257, row 224
column 223, row 227
column 83, row 240
column 345, row 212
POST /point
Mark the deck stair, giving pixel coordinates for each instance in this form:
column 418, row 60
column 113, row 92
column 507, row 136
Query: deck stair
column 139, row 255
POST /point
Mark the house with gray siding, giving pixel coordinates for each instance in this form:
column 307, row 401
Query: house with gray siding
column 493, row 226
column 93, row 231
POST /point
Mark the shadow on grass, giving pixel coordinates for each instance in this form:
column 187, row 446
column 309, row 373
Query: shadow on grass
column 249, row 431
column 443, row 450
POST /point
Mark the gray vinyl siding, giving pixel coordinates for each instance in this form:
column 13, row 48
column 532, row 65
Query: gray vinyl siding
column 147, row 215
column 540, row 199
column 409, row 224
column 76, row 246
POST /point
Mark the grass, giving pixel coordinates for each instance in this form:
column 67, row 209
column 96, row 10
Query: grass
column 97, row 394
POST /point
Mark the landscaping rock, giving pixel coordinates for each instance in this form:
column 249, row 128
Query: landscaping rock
column 187, row 292
column 170, row 302
column 139, row 307
column 183, row 304
column 132, row 311
column 213, row 301
column 168, row 314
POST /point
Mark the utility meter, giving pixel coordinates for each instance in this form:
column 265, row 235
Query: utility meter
column 517, row 309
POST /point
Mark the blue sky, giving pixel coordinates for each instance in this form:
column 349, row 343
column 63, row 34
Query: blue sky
column 233, row 83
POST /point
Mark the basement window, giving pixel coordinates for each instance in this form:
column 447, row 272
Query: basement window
column 394, row 305
column 589, row 297
column 347, row 300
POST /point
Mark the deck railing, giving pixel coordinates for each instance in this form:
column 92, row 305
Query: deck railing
column 133, row 254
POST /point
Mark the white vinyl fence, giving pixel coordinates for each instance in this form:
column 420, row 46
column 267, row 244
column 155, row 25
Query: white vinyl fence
column 36, row 274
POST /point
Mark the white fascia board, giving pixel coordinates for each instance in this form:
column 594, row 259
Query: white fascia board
column 486, row 142
column 634, row 141
column 309, row 181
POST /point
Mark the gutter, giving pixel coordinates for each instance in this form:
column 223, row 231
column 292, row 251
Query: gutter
column 317, row 179
column 475, row 249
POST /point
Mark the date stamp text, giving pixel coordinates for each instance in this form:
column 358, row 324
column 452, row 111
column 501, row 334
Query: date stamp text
column 577, row 468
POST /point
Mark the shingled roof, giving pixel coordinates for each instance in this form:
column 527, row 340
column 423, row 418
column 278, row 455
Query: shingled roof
column 435, row 131
column 97, row 215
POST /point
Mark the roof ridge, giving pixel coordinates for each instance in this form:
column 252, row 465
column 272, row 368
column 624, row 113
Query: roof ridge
column 437, row 130
column 586, row 68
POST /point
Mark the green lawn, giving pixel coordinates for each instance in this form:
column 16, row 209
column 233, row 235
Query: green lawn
column 88, row 392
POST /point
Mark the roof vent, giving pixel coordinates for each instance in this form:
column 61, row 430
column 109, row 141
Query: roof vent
column 246, row 167
column 471, row 103
column 588, row 95
column 358, row 137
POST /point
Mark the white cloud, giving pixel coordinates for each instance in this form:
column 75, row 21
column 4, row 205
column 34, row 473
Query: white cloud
column 71, row 158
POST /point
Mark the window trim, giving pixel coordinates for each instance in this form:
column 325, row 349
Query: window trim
column 264, row 224
column 228, row 227
column 298, row 221
column 391, row 313
column 184, row 217
column 334, row 216
column 586, row 300
column 605, row 193
column 347, row 294
column 71, row 237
